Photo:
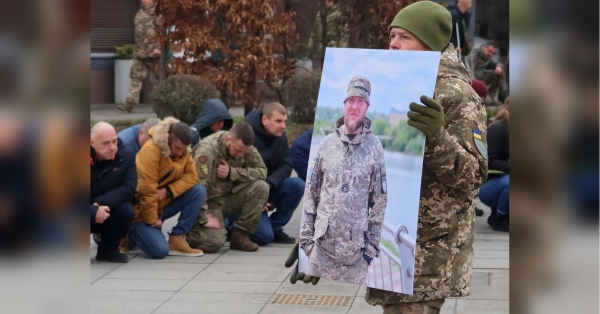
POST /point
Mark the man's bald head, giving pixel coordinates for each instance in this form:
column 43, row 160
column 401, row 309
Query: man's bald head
column 103, row 140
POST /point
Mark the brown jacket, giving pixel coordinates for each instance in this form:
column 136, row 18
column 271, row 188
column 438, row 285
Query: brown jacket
column 157, row 169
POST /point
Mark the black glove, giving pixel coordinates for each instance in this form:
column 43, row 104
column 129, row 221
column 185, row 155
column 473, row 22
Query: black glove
column 295, row 275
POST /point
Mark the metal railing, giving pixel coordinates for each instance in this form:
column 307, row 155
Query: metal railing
column 406, row 244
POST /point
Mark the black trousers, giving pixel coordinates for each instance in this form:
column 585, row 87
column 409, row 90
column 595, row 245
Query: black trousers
column 114, row 228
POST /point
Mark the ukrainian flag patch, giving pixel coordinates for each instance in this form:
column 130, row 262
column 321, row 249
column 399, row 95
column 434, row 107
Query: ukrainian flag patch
column 477, row 134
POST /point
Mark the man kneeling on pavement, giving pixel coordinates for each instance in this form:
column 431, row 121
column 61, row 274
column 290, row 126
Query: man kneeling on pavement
column 167, row 186
column 233, row 173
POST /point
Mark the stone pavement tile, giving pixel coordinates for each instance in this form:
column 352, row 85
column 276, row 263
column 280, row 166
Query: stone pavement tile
column 97, row 273
column 500, row 278
column 324, row 286
column 470, row 306
column 480, row 278
column 173, row 273
column 123, row 306
column 254, row 259
column 131, row 295
column 303, row 309
column 164, row 266
column 360, row 302
column 493, row 235
column 219, row 297
column 362, row 291
column 491, row 254
column 132, row 284
column 177, row 307
column 270, row 250
column 491, row 245
column 449, row 307
column 489, row 293
column 493, row 263
column 198, row 285
column 366, row 310
column 94, row 264
column 244, row 272
column 204, row 259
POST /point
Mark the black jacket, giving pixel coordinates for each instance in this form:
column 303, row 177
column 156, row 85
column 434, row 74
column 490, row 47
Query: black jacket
column 213, row 110
column 273, row 150
column 498, row 148
column 113, row 182
column 458, row 17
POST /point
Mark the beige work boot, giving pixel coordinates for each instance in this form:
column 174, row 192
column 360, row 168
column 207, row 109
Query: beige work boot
column 178, row 246
column 126, row 107
column 240, row 241
column 124, row 245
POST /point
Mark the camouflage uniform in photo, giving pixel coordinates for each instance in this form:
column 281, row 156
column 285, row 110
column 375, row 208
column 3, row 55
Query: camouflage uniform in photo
column 337, row 33
column 344, row 205
column 455, row 166
column 244, row 192
column 144, row 60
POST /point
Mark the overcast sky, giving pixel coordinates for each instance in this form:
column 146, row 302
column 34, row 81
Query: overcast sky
column 397, row 77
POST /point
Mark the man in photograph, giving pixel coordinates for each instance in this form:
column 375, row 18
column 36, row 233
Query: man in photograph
column 344, row 204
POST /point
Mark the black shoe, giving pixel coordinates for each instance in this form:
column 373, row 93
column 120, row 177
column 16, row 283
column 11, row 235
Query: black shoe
column 282, row 237
column 498, row 222
column 478, row 212
column 112, row 256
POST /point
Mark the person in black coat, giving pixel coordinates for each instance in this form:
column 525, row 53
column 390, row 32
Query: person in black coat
column 495, row 191
column 285, row 193
column 461, row 17
column 113, row 183
column 300, row 152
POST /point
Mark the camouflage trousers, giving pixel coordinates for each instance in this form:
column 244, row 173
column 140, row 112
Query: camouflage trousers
column 424, row 307
column 139, row 71
column 322, row 265
column 247, row 201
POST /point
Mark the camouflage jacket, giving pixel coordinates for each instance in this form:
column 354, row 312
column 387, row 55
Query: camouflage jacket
column 345, row 200
column 455, row 166
column 337, row 33
column 208, row 155
column 480, row 63
column 146, row 39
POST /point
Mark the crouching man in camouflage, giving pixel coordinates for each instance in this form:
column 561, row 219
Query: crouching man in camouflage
column 233, row 174
column 345, row 201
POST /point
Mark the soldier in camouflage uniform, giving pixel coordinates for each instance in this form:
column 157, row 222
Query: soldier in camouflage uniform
column 455, row 166
column 489, row 71
column 146, row 54
column 233, row 174
column 345, row 201
column 337, row 32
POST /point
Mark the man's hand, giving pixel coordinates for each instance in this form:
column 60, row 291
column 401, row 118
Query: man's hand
column 295, row 275
column 102, row 214
column 156, row 52
column 428, row 119
column 212, row 222
column 498, row 70
column 458, row 49
column 223, row 169
column 157, row 224
column 162, row 194
column 267, row 207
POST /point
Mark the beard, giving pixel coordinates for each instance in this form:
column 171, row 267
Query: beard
column 352, row 126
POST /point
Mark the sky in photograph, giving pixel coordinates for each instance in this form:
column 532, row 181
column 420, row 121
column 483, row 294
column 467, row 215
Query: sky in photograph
column 397, row 77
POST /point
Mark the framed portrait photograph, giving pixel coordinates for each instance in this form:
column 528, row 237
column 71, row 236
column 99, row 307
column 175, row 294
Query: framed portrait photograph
column 361, row 201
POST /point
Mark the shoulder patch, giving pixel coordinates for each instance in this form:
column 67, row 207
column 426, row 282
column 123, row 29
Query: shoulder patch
column 204, row 169
column 480, row 147
column 202, row 159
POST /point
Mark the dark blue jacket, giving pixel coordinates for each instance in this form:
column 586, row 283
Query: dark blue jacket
column 130, row 137
column 113, row 182
column 213, row 110
column 300, row 152
column 458, row 17
column 273, row 150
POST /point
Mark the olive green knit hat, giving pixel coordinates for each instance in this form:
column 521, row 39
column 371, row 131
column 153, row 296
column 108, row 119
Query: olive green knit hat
column 430, row 22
